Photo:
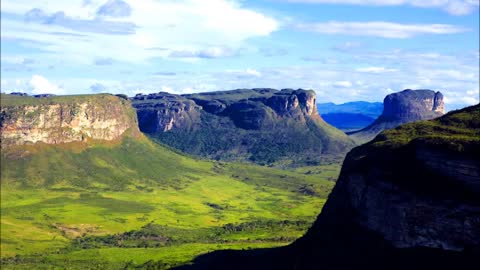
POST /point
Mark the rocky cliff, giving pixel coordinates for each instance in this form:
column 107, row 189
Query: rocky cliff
column 403, row 107
column 260, row 125
column 63, row 119
column 409, row 199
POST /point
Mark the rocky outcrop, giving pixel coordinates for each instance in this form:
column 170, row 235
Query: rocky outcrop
column 409, row 199
column 163, row 112
column 55, row 120
column 403, row 107
column 260, row 125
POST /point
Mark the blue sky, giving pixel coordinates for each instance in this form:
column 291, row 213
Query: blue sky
column 345, row 50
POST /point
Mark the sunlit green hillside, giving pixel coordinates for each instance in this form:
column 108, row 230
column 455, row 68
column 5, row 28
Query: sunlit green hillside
column 125, row 203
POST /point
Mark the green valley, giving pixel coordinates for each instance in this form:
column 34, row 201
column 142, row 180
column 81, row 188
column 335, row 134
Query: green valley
column 110, row 205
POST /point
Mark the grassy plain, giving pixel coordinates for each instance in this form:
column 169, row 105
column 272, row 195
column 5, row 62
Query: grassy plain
column 137, row 204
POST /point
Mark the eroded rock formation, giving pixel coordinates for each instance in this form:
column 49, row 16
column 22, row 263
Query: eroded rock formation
column 55, row 120
column 260, row 125
column 403, row 107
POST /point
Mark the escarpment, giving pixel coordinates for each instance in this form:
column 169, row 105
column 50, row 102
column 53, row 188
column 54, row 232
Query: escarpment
column 64, row 119
column 403, row 107
column 264, row 126
column 409, row 199
column 412, row 190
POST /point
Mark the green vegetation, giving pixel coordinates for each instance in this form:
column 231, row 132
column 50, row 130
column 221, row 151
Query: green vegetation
column 13, row 100
column 136, row 204
column 457, row 131
column 288, row 144
column 261, row 126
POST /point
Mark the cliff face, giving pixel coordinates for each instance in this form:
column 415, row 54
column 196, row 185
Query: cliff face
column 414, row 189
column 163, row 112
column 403, row 107
column 410, row 199
column 248, row 109
column 412, row 105
column 55, row 120
column 259, row 125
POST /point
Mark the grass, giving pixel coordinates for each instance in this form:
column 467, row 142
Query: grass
column 455, row 131
column 13, row 100
column 98, row 206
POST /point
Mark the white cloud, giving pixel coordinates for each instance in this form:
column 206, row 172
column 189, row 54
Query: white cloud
column 345, row 84
column 249, row 72
column 69, row 29
column 40, row 85
column 375, row 70
column 453, row 7
column 253, row 72
column 460, row 100
column 379, row 29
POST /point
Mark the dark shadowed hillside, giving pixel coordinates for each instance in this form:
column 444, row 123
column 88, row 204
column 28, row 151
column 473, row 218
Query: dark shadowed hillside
column 264, row 126
column 410, row 199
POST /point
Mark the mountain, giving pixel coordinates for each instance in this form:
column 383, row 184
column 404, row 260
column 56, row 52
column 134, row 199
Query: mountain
column 83, row 188
column 264, row 126
column 55, row 120
column 409, row 199
column 371, row 109
column 351, row 115
column 400, row 108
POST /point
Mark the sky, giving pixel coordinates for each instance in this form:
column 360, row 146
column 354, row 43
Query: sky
column 345, row 50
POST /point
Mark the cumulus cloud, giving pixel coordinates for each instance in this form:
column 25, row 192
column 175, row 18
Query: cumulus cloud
column 453, row 7
column 379, row 29
column 467, row 98
column 40, row 85
column 127, row 30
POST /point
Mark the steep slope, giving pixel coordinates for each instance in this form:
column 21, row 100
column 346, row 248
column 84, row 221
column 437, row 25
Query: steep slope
column 403, row 107
column 264, row 126
column 410, row 199
column 102, row 203
column 350, row 116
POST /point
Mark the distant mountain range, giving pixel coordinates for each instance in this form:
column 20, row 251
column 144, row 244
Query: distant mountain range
column 351, row 115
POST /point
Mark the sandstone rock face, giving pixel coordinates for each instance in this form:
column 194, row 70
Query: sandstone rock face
column 403, row 107
column 260, row 125
column 55, row 120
